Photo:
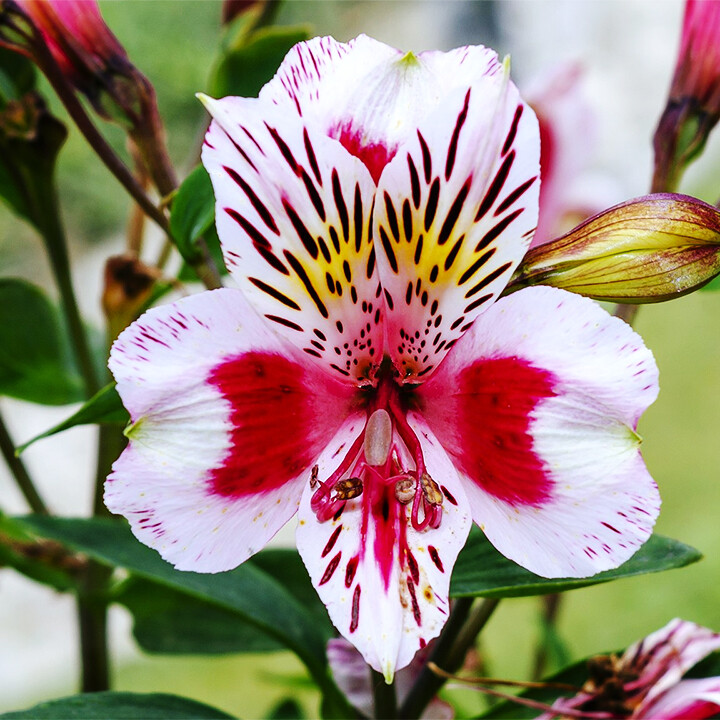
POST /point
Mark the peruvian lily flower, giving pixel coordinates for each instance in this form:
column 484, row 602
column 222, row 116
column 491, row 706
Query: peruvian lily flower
column 646, row 681
column 372, row 206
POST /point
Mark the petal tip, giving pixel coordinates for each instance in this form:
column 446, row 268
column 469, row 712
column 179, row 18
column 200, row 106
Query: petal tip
column 388, row 671
column 209, row 103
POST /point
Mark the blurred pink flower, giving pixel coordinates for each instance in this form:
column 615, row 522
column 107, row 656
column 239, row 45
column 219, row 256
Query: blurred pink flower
column 569, row 191
column 646, row 682
column 351, row 675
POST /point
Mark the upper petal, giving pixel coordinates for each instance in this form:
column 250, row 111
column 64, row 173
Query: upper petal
column 454, row 213
column 227, row 418
column 293, row 212
column 537, row 407
column 385, row 584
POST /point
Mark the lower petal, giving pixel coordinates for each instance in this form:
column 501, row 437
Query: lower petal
column 385, row 584
column 688, row 700
column 227, row 417
column 537, row 406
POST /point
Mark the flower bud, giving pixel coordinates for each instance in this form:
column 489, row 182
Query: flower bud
column 693, row 106
column 650, row 249
column 69, row 39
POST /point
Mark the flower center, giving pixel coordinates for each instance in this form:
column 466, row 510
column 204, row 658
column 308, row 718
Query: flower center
column 386, row 463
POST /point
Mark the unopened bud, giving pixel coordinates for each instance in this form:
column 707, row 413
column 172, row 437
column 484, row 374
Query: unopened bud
column 693, row 106
column 651, row 249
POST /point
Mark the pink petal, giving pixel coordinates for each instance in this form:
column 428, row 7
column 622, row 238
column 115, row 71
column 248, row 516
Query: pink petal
column 454, row 212
column 537, row 408
column 293, row 212
column 227, row 418
column 385, row 585
column 688, row 700
column 664, row 656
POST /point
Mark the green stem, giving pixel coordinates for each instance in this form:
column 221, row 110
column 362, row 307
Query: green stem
column 551, row 609
column 385, row 700
column 451, row 647
column 19, row 472
column 92, row 607
column 50, row 225
column 104, row 151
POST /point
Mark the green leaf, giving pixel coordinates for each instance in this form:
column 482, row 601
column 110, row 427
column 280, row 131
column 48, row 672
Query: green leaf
column 193, row 211
column 17, row 75
column 248, row 591
column 30, row 141
column 105, row 407
column 35, row 360
column 481, row 570
column 252, row 62
column 187, row 274
column 119, row 706
column 174, row 623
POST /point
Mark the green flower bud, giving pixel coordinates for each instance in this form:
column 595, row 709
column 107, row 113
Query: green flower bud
column 650, row 249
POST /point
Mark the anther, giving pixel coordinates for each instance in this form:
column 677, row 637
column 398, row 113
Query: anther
column 314, row 476
column 405, row 490
column 348, row 489
column 431, row 490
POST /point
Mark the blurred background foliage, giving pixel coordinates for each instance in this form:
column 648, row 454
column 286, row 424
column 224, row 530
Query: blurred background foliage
column 173, row 42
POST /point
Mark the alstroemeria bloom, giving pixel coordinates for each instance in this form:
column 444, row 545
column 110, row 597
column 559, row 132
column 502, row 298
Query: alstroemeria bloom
column 646, row 682
column 372, row 206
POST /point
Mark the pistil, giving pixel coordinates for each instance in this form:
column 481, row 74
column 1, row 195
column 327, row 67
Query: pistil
column 377, row 456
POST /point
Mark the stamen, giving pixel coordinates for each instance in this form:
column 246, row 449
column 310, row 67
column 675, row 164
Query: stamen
column 431, row 490
column 405, row 490
column 314, row 476
column 348, row 489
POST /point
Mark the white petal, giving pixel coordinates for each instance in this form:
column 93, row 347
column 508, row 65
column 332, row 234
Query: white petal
column 537, row 406
column 454, row 214
column 227, row 419
column 385, row 585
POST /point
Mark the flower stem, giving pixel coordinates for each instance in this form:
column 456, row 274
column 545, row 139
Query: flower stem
column 551, row 609
column 458, row 636
column 19, row 472
column 92, row 607
column 384, row 697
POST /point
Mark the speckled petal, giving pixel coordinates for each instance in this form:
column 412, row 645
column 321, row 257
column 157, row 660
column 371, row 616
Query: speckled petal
column 537, row 406
column 227, row 419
